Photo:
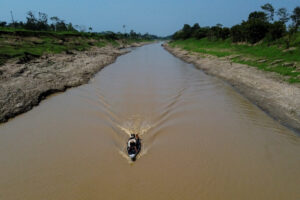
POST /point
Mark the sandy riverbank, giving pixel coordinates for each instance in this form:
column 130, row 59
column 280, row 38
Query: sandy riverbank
column 267, row 90
column 23, row 86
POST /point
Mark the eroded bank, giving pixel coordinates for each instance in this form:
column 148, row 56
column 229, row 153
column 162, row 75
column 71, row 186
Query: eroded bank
column 279, row 99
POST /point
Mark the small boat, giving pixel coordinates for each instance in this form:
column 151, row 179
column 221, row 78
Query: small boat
column 133, row 147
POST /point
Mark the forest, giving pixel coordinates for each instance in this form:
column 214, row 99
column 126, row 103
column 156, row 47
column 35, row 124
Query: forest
column 41, row 24
column 267, row 24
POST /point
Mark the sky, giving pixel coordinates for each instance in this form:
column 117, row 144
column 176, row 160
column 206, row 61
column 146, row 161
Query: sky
column 160, row 17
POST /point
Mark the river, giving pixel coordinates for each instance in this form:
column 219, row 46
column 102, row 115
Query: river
column 201, row 139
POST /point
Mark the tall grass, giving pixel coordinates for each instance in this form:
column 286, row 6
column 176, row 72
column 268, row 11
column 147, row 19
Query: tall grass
column 268, row 57
column 18, row 43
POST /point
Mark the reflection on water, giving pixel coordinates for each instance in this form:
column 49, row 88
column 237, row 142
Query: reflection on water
column 201, row 139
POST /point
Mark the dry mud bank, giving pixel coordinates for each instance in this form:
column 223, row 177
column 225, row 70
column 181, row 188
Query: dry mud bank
column 23, row 86
column 267, row 90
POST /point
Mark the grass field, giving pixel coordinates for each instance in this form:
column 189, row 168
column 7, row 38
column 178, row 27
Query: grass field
column 268, row 57
column 22, row 44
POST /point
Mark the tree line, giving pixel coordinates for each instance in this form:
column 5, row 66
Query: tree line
column 41, row 22
column 259, row 25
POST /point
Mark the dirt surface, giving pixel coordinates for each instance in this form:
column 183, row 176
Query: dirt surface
column 23, row 86
column 267, row 90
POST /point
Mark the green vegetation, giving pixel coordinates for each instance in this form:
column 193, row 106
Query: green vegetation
column 35, row 43
column 263, row 56
column 260, row 41
column 259, row 26
column 35, row 37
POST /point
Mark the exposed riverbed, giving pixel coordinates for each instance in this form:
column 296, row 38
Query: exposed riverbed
column 201, row 139
column 267, row 90
column 24, row 85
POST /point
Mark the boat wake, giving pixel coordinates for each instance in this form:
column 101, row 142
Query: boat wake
column 148, row 127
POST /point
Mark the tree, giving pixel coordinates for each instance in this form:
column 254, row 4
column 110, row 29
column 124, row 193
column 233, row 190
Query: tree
column 256, row 30
column 55, row 20
column 296, row 18
column 276, row 30
column 256, row 27
column 59, row 24
column 2, row 24
column 283, row 15
column 186, row 31
column 31, row 21
column 195, row 27
column 215, row 32
column 225, row 33
column 42, row 22
column 16, row 24
column 257, row 15
column 268, row 8
column 237, row 33
column 70, row 27
column 90, row 29
column 133, row 34
column 194, row 30
column 202, row 32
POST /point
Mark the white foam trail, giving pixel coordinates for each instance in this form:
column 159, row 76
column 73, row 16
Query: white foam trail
column 135, row 125
column 124, row 155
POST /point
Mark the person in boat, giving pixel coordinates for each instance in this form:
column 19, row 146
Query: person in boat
column 132, row 143
column 132, row 136
column 137, row 138
column 132, row 139
column 133, row 147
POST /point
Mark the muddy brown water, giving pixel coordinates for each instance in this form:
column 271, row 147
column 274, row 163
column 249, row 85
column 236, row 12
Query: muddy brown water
column 201, row 139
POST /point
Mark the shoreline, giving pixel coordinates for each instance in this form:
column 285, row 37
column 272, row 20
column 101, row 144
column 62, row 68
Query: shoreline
column 24, row 86
column 267, row 90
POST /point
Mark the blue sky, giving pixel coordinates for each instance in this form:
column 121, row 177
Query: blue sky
column 161, row 17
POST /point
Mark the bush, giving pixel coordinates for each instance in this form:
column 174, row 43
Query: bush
column 225, row 33
column 276, row 30
column 256, row 30
column 238, row 33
